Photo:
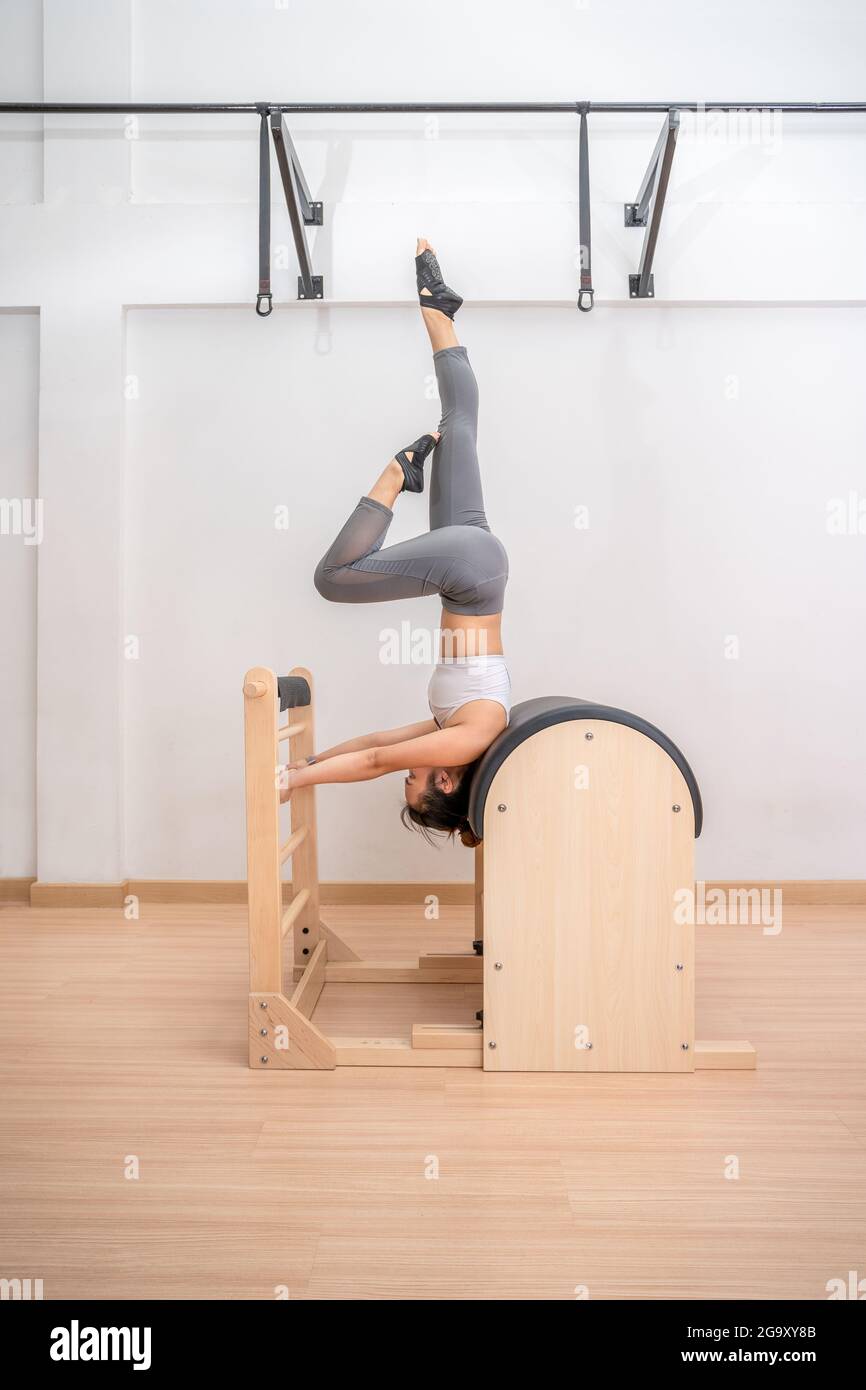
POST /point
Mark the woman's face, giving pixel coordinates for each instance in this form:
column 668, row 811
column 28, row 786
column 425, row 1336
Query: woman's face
column 421, row 779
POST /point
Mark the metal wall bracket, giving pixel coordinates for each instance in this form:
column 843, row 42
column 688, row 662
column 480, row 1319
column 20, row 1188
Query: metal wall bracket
column 646, row 210
column 303, row 211
column 634, row 288
column 317, row 289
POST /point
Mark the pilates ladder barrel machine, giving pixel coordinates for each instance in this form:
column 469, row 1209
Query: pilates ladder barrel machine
column 588, row 816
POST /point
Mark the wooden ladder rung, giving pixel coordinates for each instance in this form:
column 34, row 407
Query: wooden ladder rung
column 294, row 909
column 292, row 843
column 290, row 731
column 462, row 960
column 447, row 1036
column 725, row 1056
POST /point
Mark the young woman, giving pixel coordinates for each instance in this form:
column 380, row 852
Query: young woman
column 460, row 559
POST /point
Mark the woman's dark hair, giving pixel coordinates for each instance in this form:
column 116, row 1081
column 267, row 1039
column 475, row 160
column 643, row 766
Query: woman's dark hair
column 445, row 812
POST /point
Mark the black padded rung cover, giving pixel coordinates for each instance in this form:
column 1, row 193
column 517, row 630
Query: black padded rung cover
column 531, row 716
column 292, row 690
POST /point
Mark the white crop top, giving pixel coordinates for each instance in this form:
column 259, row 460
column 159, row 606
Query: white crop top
column 457, row 680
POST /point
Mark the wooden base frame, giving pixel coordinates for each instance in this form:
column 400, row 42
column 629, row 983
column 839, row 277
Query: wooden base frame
column 631, row 1007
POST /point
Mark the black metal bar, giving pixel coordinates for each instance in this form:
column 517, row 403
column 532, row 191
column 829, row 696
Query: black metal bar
column 309, row 287
column 640, row 285
column 360, row 108
column 54, row 108
column 129, row 108
column 636, row 212
column 264, row 296
column 311, row 212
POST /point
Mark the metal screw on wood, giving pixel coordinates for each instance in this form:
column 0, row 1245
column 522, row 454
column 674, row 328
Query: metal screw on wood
column 497, row 965
column 590, row 735
column 676, row 808
column 262, row 1004
column 685, row 1047
column 491, row 1044
column 264, row 1060
column 502, row 806
column 680, row 967
column 263, row 1032
column 589, row 1047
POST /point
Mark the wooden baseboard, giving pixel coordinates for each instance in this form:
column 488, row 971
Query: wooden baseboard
column 225, row 892
column 15, row 890
column 77, row 894
column 795, row 892
column 801, row 892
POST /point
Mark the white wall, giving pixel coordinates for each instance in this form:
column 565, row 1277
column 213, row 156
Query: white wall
column 706, row 446
column 21, row 521
column 706, row 432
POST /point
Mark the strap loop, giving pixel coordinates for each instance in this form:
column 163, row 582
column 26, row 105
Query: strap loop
column 586, row 292
column 264, row 217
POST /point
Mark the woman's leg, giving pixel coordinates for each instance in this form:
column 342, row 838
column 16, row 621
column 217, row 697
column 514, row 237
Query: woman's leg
column 355, row 569
column 456, row 495
column 389, row 484
column 440, row 328
column 465, row 565
column 454, row 558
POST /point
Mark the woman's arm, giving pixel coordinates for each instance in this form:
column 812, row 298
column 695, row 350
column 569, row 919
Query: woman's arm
column 378, row 740
column 442, row 748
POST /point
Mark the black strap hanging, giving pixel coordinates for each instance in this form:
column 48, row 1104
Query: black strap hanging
column 264, row 296
column 586, row 292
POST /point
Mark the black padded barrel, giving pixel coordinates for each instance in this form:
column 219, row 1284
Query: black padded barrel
column 293, row 691
column 531, row 716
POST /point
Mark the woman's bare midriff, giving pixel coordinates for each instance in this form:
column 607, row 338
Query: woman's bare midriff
column 466, row 635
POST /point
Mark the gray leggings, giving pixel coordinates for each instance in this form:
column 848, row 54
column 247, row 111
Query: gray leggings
column 458, row 558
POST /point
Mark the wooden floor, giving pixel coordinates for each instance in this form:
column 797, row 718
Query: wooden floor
column 128, row 1039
